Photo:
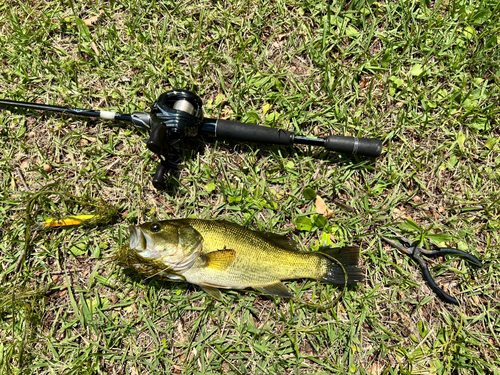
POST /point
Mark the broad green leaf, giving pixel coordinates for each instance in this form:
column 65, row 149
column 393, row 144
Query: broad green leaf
column 232, row 199
column 220, row 98
column 304, row 223
column 442, row 94
column 210, row 187
column 469, row 32
column 351, row 31
column 399, row 82
column 252, row 117
column 416, row 70
column 439, row 237
column 77, row 250
column 83, row 30
column 482, row 16
column 410, row 225
column 491, row 143
column 319, row 220
column 309, row 194
column 273, row 117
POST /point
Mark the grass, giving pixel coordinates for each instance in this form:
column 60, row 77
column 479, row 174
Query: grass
column 423, row 76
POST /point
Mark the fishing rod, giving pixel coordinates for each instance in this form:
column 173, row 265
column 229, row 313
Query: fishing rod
column 179, row 113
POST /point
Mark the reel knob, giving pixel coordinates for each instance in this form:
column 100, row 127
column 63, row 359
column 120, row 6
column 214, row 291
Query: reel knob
column 159, row 177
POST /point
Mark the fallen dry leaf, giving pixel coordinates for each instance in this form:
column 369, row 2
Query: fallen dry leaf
column 92, row 21
column 376, row 369
column 94, row 47
column 47, row 168
column 25, row 164
column 322, row 208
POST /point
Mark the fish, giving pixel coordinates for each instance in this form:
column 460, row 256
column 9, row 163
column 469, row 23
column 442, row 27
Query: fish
column 218, row 254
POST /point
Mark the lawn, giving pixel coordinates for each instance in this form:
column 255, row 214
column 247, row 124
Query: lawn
column 422, row 76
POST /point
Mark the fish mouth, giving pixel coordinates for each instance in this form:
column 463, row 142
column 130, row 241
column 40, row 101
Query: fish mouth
column 141, row 242
column 137, row 240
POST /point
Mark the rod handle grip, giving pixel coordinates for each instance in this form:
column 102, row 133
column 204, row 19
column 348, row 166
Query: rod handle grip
column 240, row 131
column 371, row 147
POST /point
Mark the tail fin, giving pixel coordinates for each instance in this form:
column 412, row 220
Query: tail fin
column 348, row 257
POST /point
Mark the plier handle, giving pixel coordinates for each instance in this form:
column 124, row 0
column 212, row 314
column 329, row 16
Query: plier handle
column 414, row 251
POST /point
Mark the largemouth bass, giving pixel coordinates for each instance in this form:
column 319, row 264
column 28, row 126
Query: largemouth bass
column 222, row 255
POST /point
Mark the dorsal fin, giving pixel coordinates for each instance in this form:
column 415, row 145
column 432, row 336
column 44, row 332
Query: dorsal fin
column 278, row 240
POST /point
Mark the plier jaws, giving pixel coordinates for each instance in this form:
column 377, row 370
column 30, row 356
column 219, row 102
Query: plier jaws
column 414, row 251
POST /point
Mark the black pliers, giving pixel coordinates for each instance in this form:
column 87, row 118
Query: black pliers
column 414, row 252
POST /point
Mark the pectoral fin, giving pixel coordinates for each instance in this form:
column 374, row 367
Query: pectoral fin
column 277, row 289
column 220, row 259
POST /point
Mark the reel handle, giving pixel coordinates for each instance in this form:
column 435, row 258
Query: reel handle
column 157, row 138
column 159, row 177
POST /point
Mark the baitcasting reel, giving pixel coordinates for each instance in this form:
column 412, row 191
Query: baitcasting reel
column 178, row 114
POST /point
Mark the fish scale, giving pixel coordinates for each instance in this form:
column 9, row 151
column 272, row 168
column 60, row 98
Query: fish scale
column 258, row 261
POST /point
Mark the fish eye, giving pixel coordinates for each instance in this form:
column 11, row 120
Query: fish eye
column 155, row 227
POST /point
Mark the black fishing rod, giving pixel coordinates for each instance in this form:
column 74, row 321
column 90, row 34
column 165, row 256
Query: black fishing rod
column 178, row 114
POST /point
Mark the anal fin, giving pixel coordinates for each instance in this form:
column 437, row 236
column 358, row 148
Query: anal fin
column 213, row 291
column 277, row 289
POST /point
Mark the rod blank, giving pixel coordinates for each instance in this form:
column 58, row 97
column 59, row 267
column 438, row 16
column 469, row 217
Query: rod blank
column 106, row 115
